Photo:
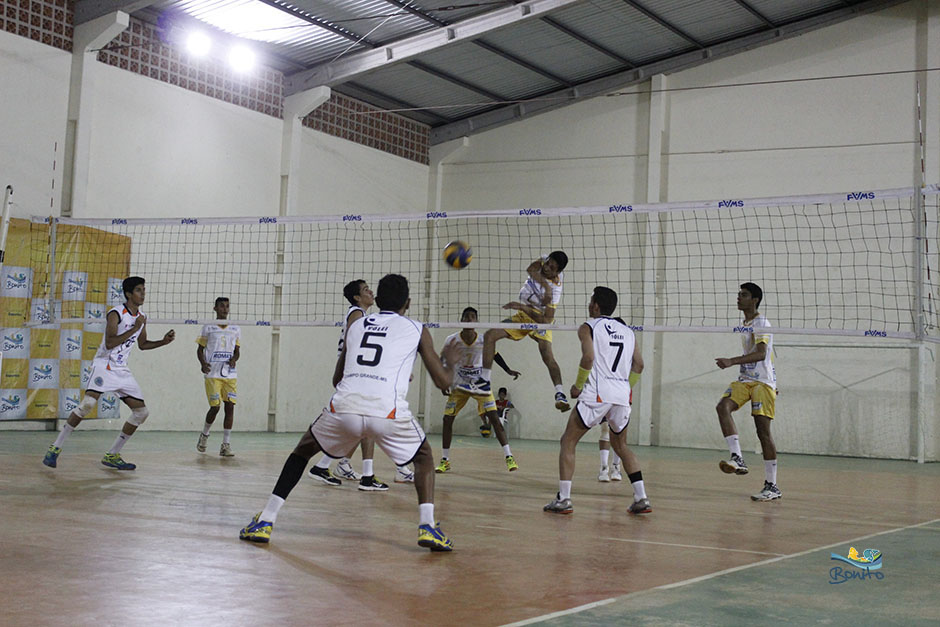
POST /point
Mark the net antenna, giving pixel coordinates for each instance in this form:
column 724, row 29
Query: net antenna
column 4, row 230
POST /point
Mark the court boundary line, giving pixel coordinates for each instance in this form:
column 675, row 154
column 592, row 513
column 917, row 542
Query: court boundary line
column 694, row 546
column 686, row 582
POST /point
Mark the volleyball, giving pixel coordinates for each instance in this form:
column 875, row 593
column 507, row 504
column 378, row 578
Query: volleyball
column 457, row 254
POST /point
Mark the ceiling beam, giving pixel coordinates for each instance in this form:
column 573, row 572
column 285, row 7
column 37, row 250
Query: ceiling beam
column 382, row 99
column 588, row 42
column 664, row 23
column 763, row 18
column 88, row 10
column 458, row 81
column 620, row 80
column 529, row 66
column 405, row 49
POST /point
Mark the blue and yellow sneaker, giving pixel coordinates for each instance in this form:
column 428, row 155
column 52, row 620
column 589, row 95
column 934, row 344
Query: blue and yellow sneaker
column 52, row 455
column 433, row 538
column 257, row 530
column 113, row 460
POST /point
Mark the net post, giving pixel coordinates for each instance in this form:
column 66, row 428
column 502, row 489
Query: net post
column 425, row 388
column 50, row 290
column 4, row 229
column 920, row 369
column 277, row 312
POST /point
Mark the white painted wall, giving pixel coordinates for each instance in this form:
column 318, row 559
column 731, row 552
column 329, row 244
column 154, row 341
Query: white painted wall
column 33, row 108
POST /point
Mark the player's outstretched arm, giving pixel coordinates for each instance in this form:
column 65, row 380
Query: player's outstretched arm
column 587, row 359
column 441, row 371
column 145, row 345
column 515, row 374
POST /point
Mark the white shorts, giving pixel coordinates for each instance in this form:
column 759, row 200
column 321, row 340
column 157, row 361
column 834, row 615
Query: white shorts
column 399, row 438
column 118, row 380
column 591, row 414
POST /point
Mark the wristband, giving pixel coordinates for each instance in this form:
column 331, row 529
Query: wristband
column 634, row 378
column 582, row 377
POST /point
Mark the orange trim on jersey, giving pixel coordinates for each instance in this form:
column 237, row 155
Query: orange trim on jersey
column 331, row 407
column 107, row 367
column 391, row 415
column 599, row 399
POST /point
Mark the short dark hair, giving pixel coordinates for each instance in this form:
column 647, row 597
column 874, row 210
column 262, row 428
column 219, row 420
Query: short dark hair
column 392, row 293
column 501, row 390
column 128, row 284
column 220, row 299
column 755, row 291
column 352, row 290
column 469, row 310
column 561, row 259
column 605, row 298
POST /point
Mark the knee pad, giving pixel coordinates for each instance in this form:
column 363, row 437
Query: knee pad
column 88, row 403
column 138, row 416
column 605, row 435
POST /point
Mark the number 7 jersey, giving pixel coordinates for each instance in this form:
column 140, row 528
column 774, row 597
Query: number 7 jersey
column 380, row 353
column 613, row 357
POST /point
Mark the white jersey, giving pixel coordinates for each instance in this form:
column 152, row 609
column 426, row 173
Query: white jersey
column 220, row 342
column 762, row 371
column 613, row 357
column 342, row 334
column 533, row 292
column 469, row 365
column 380, row 352
column 118, row 356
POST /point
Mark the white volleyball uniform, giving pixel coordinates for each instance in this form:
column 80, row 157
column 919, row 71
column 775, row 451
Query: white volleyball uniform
column 342, row 334
column 606, row 394
column 370, row 398
column 109, row 369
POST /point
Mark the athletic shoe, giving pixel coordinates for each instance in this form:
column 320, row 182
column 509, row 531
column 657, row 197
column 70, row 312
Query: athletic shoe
column 403, row 474
column 561, row 402
column 433, row 538
column 369, row 483
column 345, row 470
column 201, row 443
column 324, row 475
column 511, row 463
column 257, row 530
column 485, row 431
column 444, row 466
column 603, row 476
column 736, row 465
column 226, row 450
column 769, row 493
column 615, row 474
column 113, row 460
column 640, row 507
column 559, row 505
column 481, row 385
column 52, row 455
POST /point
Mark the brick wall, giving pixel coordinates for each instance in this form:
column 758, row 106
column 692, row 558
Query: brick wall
column 46, row 21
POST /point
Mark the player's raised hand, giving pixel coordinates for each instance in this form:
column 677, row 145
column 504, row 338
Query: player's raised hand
column 450, row 355
column 169, row 337
column 140, row 321
column 512, row 305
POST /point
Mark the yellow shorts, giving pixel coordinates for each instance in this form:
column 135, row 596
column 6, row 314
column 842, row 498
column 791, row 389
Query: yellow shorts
column 761, row 395
column 518, row 334
column 218, row 390
column 458, row 398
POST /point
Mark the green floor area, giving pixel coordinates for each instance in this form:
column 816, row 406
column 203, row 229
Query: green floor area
column 907, row 593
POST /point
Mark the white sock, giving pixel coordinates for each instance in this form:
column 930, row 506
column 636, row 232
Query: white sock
column 367, row 467
column 770, row 470
column 486, row 373
column 506, row 451
column 226, row 436
column 564, row 489
column 616, row 460
column 559, row 389
column 119, row 442
column 426, row 514
column 205, row 428
column 639, row 490
column 67, row 430
column 605, row 455
column 445, row 453
column 324, row 462
column 269, row 513
column 733, row 445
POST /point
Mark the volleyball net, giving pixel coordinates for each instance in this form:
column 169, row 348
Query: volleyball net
column 859, row 263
